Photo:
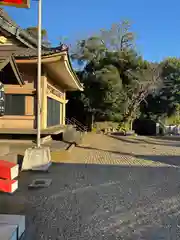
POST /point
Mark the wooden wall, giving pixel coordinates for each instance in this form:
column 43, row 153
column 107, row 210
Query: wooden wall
column 48, row 89
column 27, row 121
column 20, row 122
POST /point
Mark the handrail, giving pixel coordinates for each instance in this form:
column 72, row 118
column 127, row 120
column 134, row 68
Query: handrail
column 75, row 120
column 79, row 123
column 69, row 121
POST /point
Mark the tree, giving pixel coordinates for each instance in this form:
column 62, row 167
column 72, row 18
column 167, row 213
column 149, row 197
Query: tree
column 100, row 74
column 166, row 103
column 145, row 81
column 115, row 77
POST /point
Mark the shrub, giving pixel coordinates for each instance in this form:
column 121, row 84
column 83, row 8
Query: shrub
column 99, row 126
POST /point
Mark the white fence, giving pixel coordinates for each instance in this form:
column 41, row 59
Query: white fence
column 171, row 129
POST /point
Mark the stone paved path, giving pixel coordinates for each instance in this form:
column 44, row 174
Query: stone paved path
column 102, row 149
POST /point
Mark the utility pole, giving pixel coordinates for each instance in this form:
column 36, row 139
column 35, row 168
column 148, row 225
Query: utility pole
column 39, row 74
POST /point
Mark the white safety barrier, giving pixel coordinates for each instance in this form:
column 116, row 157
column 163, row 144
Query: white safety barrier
column 37, row 159
column 11, row 225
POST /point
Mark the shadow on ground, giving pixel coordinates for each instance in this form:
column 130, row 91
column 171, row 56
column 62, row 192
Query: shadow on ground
column 170, row 159
column 153, row 140
column 99, row 202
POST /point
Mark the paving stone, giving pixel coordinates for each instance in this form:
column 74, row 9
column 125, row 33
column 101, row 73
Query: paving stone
column 102, row 149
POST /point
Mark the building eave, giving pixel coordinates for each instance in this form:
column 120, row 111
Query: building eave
column 16, row 70
column 11, row 61
column 69, row 66
column 50, row 62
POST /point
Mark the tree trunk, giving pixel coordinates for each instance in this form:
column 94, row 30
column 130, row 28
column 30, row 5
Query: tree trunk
column 131, row 125
column 92, row 120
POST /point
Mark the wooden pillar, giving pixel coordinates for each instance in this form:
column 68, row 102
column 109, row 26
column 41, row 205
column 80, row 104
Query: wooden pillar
column 63, row 113
column 44, row 100
column 64, row 110
column 29, row 105
column 60, row 117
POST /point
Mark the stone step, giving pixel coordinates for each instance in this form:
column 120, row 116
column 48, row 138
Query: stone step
column 17, row 220
column 8, row 232
column 73, row 136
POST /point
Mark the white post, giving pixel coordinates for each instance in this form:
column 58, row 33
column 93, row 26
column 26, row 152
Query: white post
column 39, row 75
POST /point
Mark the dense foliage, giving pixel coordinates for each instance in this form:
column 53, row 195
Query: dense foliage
column 119, row 85
column 165, row 105
column 116, row 78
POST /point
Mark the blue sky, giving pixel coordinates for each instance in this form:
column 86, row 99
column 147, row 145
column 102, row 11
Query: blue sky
column 156, row 23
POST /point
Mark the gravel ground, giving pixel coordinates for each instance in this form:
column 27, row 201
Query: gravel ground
column 99, row 202
column 103, row 201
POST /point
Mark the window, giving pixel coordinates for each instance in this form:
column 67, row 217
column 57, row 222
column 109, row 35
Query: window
column 53, row 112
column 15, row 104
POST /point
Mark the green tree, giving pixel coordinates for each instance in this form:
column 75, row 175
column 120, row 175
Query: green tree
column 115, row 77
column 100, row 74
column 146, row 80
column 165, row 104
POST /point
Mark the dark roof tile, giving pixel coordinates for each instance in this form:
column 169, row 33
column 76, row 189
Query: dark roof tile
column 8, row 50
column 21, row 52
column 22, row 33
column 5, row 16
column 28, row 52
column 24, row 53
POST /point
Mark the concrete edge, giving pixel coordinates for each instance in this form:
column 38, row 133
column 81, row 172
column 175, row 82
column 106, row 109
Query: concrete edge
column 70, row 147
column 46, row 139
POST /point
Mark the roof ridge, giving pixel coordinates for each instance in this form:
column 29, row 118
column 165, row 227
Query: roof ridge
column 5, row 15
column 28, row 52
column 30, row 38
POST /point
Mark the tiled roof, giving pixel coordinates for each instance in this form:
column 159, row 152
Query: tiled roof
column 29, row 41
column 26, row 38
column 20, row 52
column 13, row 51
column 5, row 16
column 25, row 53
column 8, row 50
column 22, row 35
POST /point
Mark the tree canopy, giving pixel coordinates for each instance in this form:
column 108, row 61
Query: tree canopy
column 119, row 85
column 166, row 103
column 116, row 78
